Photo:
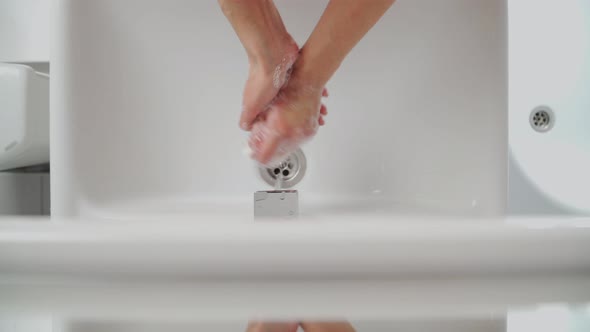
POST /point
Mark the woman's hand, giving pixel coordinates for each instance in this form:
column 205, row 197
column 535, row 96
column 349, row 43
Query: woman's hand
column 268, row 73
column 271, row 52
column 292, row 118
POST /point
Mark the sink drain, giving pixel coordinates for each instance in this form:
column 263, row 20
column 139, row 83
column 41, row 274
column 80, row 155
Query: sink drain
column 542, row 119
column 290, row 171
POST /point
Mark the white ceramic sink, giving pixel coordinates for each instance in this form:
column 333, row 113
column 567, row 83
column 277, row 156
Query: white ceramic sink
column 550, row 66
column 146, row 161
column 146, row 98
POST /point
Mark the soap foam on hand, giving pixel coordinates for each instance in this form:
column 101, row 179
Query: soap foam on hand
column 261, row 134
column 274, row 161
column 247, row 151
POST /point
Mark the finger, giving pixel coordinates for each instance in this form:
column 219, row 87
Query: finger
column 255, row 143
column 325, row 93
column 323, row 110
column 258, row 136
column 255, row 101
column 268, row 148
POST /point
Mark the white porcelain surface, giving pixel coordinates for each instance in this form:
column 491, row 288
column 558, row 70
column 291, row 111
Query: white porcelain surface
column 223, row 269
column 147, row 95
column 550, row 65
column 24, row 117
column 550, row 318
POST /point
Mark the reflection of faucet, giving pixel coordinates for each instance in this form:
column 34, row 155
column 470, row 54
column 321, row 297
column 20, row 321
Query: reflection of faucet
column 280, row 203
column 276, row 203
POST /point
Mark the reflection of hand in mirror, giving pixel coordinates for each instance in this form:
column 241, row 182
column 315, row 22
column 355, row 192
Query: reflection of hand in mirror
column 306, row 326
column 272, row 327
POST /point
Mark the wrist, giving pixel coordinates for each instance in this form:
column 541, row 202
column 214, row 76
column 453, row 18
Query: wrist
column 268, row 51
column 313, row 68
column 304, row 83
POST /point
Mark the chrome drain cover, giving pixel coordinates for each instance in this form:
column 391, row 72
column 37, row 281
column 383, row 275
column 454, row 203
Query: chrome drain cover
column 290, row 171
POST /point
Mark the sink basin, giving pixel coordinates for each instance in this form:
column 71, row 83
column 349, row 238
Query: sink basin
column 145, row 111
column 550, row 71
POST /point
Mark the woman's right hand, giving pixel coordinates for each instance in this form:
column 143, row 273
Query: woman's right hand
column 269, row 71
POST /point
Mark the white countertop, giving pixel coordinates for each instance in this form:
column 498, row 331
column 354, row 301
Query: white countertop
column 216, row 268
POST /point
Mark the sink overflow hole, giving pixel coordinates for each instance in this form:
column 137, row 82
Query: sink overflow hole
column 542, row 119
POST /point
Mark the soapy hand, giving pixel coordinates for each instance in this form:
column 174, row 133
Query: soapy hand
column 269, row 72
column 280, row 113
column 292, row 118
